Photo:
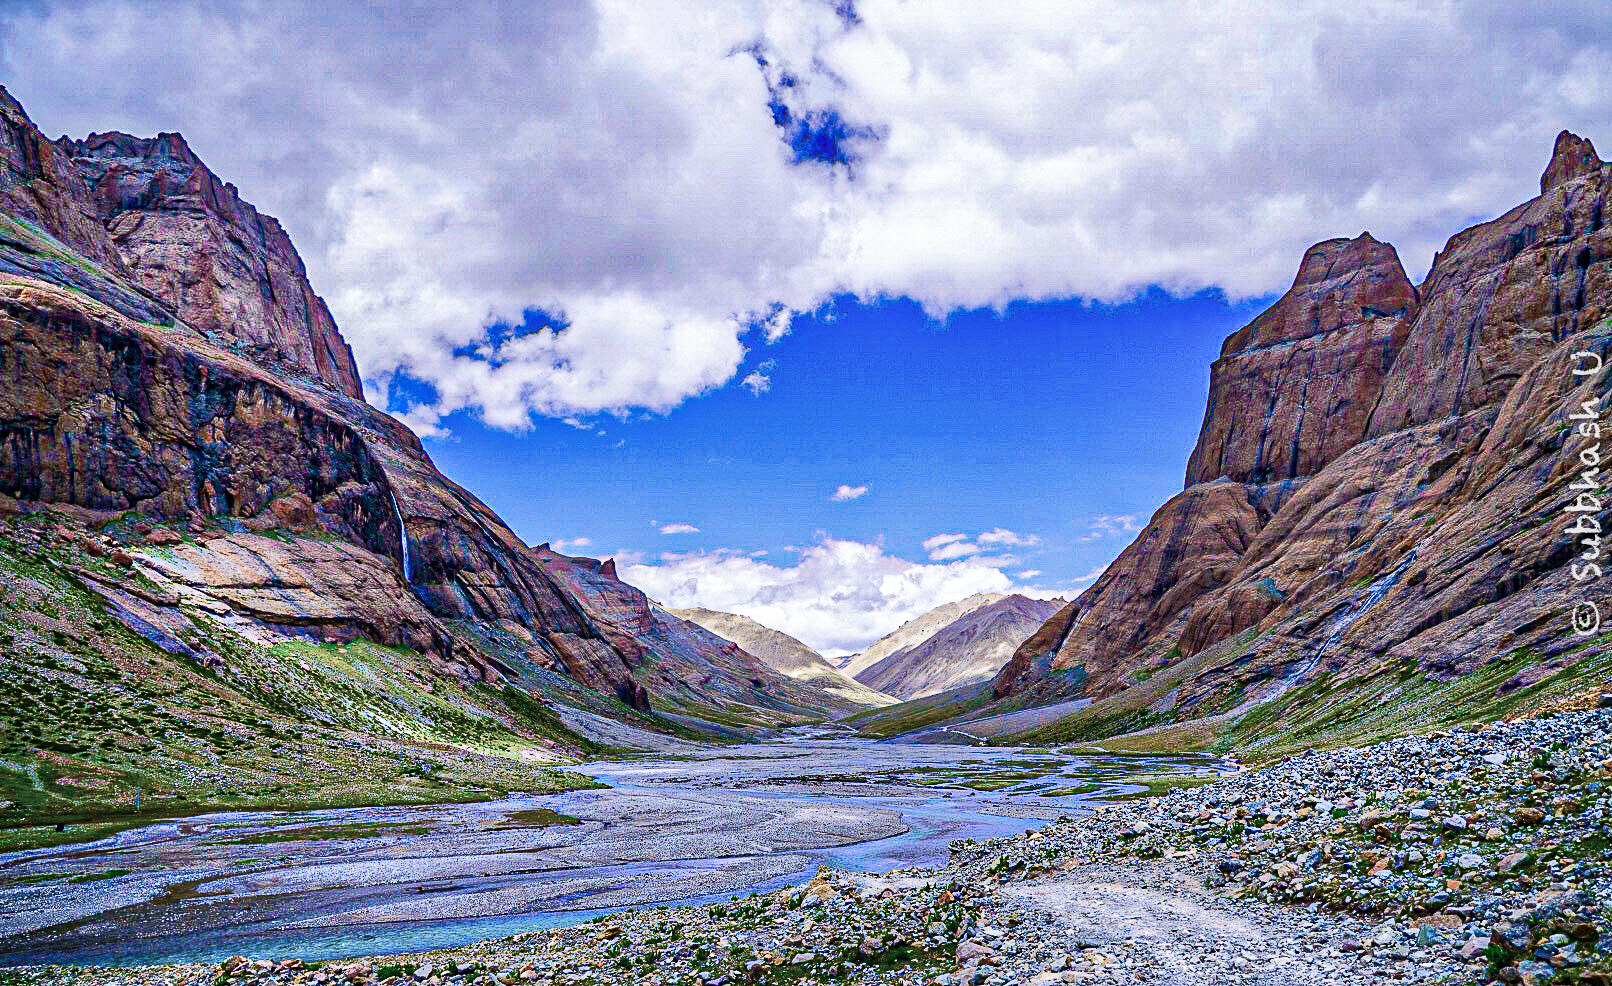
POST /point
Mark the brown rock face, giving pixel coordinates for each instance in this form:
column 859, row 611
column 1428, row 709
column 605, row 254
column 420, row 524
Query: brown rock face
column 1424, row 522
column 1190, row 547
column 1296, row 388
column 1573, row 157
column 227, row 269
column 1500, row 296
column 41, row 185
column 238, row 415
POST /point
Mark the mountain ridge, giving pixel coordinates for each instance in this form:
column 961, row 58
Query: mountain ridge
column 966, row 650
column 179, row 400
column 785, row 654
column 1381, row 483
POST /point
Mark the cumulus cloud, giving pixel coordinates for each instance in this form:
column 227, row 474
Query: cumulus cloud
column 943, row 547
column 758, row 382
column 633, row 187
column 846, row 494
column 679, row 529
column 954, row 549
column 1111, row 525
column 1003, row 536
column 838, row 597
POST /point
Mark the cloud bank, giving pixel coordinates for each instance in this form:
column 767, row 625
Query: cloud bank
column 640, row 191
column 840, row 596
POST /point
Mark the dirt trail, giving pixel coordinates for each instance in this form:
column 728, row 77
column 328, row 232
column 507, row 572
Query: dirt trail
column 1180, row 937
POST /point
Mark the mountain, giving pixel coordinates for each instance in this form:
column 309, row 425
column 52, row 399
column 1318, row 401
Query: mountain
column 785, row 654
column 970, row 649
column 202, row 518
column 915, row 631
column 1377, row 523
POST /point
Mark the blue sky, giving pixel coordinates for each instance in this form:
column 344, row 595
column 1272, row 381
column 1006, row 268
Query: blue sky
column 1064, row 422
column 688, row 190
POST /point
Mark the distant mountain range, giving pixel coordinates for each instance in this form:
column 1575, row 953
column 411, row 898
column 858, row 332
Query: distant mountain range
column 785, row 654
column 970, row 647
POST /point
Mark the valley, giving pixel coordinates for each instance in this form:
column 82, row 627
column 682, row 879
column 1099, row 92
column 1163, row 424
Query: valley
column 281, row 702
column 697, row 828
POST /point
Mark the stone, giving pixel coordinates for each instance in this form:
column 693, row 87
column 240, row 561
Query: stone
column 1362, row 435
column 193, row 376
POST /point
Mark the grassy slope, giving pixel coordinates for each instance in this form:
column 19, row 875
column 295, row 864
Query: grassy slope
column 1330, row 712
column 921, row 713
column 100, row 726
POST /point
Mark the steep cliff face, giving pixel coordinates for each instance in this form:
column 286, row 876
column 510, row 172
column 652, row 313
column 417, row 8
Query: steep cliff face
column 42, row 186
column 189, row 385
column 1382, row 479
column 1296, row 388
column 225, row 268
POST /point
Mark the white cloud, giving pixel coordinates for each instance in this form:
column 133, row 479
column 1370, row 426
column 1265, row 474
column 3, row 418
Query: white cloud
column 1091, row 576
column 954, row 549
column 840, row 595
column 943, row 547
column 845, row 494
column 679, row 529
column 758, row 382
column 1004, row 536
column 1029, row 573
column 569, row 546
column 1111, row 525
column 615, row 164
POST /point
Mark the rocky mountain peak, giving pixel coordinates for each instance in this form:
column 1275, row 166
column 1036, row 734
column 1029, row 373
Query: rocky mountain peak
column 1573, row 157
column 1334, row 334
column 40, row 185
column 190, row 239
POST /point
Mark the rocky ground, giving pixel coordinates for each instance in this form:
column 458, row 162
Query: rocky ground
column 1459, row 857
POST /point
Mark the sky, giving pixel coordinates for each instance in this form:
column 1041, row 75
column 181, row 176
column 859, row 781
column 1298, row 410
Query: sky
column 824, row 311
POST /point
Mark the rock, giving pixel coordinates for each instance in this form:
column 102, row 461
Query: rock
column 1364, row 437
column 1529, row 816
column 1510, row 862
column 1533, row 973
column 243, row 415
column 973, row 951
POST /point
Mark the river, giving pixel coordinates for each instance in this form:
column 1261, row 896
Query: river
column 687, row 829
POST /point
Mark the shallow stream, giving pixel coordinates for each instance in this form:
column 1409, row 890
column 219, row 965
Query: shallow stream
column 700, row 828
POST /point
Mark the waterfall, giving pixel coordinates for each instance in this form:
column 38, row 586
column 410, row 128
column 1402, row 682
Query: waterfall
column 1374, row 595
column 403, row 531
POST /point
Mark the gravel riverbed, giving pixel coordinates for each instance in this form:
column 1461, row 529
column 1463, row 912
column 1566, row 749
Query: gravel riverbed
column 1472, row 856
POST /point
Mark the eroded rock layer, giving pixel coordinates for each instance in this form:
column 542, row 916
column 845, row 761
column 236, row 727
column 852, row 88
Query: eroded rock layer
column 1386, row 475
column 165, row 359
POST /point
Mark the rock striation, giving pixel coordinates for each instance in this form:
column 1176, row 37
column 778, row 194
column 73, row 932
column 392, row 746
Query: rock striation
column 1382, row 479
column 165, row 359
column 225, row 268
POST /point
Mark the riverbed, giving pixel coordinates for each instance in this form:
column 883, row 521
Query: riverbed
column 691, row 828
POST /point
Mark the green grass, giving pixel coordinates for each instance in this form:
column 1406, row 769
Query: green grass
column 921, row 713
column 102, row 730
